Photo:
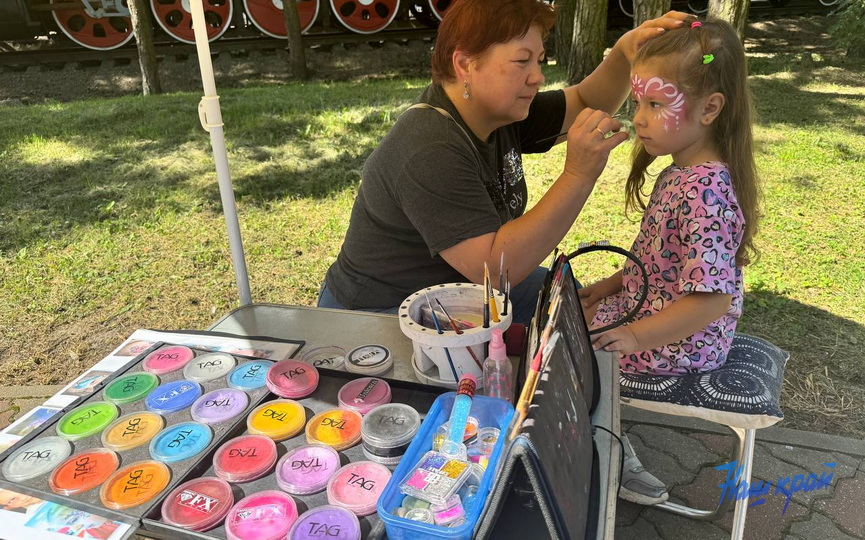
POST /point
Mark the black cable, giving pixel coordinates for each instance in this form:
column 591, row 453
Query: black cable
column 604, row 245
column 621, row 445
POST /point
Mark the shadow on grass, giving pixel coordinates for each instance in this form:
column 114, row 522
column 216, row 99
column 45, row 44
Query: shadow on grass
column 824, row 383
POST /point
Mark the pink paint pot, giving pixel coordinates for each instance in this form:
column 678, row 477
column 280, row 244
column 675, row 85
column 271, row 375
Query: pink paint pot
column 357, row 486
column 307, row 469
column 267, row 515
column 198, row 505
column 167, row 359
column 364, row 395
column 292, row 379
column 245, row 458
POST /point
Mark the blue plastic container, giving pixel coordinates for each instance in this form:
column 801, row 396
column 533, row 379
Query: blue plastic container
column 489, row 412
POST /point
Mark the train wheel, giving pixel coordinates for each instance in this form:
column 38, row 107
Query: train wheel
column 99, row 33
column 365, row 16
column 175, row 17
column 438, row 7
column 267, row 15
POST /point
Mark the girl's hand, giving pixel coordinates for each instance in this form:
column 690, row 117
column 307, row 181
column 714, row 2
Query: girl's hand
column 631, row 42
column 589, row 146
column 619, row 339
column 591, row 295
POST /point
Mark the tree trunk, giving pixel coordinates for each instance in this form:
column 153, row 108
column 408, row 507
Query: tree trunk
column 564, row 30
column 143, row 30
column 588, row 39
column 645, row 10
column 734, row 12
column 297, row 55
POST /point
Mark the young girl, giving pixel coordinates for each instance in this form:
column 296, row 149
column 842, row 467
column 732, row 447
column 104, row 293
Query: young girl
column 692, row 103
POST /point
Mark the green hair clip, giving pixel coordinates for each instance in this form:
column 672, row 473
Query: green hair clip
column 707, row 58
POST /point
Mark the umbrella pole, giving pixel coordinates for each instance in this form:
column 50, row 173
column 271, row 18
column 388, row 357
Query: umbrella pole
column 211, row 120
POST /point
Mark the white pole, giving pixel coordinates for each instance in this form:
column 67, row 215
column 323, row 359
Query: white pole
column 211, row 120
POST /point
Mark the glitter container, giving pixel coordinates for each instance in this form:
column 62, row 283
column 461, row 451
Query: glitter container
column 36, row 458
column 469, row 436
column 86, row 420
column 292, row 379
column 83, row 471
column 132, row 430
column 173, row 396
column 208, row 367
column 423, row 515
column 279, row 419
column 250, row 375
column 369, row 360
column 134, row 484
column 329, row 357
column 332, row 522
column 357, row 486
column 449, row 514
column 219, row 405
column 387, row 432
column 435, row 478
column 131, row 387
column 337, row 428
column 245, row 458
column 267, row 515
column 363, row 395
column 180, row 441
column 167, row 359
column 199, row 504
column 307, row 469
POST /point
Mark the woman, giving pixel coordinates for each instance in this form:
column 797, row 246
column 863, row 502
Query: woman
column 444, row 192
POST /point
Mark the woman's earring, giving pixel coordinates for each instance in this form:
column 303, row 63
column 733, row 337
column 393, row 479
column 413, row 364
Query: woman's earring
column 466, row 90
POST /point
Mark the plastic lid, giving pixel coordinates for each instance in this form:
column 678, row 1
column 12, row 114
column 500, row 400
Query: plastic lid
column 307, row 469
column 278, row 419
column 244, row 458
column 388, row 429
column 173, row 396
column 219, row 405
column 363, row 395
column 86, row 420
column 250, row 375
column 167, row 359
column 498, row 351
column 292, row 379
column 131, row 387
column 209, row 366
column 198, row 505
column 132, row 430
column 329, row 357
column 357, row 486
column 267, row 515
column 180, row 441
column 134, row 484
column 424, row 515
column 369, row 360
column 337, row 428
column 36, row 458
column 331, row 522
column 83, row 471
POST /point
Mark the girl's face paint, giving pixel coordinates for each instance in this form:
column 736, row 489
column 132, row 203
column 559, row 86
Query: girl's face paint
column 665, row 101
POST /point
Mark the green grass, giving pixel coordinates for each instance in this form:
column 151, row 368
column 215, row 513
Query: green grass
column 110, row 218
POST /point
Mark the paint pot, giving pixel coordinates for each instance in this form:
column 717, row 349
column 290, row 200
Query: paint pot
column 337, row 428
column 36, row 458
column 244, row 458
column 328, row 357
column 363, row 395
column 267, row 515
column 173, row 396
column 83, row 471
column 132, row 430
column 369, row 360
column 199, row 504
column 357, row 486
column 86, row 420
column 134, row 484
column 387, row 431
column 292, row 379
column 180, row 441
column 279, row 419
column 219, row 405
column 131, row 387
column 423, row 515
column 167, row 359
column 208, row 367
column 249, row 375
column 331, row 522
column 307, row 469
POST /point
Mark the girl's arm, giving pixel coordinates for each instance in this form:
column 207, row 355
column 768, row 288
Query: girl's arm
column 684, row 317
column 594, row 293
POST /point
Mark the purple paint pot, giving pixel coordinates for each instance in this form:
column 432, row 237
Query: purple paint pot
column 331, row 522
column 219, row 405
column 307, row 469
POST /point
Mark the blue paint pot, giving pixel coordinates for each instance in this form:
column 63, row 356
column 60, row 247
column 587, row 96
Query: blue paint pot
column 173, row 396
column 181, row 441
column 250, row 375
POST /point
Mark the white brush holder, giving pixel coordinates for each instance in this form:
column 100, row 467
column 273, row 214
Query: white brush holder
column 429, row 346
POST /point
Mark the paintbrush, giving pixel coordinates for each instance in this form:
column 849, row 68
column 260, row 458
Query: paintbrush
column 494, row 308
column 486, row 296
column 507, row 294
column 552, row 137
column 458, row 331
column 501, row 266
column 440, row 331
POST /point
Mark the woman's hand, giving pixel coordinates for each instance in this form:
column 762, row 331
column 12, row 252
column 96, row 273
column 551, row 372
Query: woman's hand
column 589, row 145
column 631, row 42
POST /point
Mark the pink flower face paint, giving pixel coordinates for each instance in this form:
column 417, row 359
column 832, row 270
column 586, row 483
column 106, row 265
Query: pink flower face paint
column 670, row 99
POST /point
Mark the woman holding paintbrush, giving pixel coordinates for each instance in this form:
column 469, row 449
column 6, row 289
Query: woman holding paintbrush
column 445, row 192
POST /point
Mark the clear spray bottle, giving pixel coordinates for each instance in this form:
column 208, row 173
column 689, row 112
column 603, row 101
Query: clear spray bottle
column 498, row 372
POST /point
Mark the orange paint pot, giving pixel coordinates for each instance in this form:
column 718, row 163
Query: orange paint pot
column 135, row 484
column 337, row 428
column 83, row 471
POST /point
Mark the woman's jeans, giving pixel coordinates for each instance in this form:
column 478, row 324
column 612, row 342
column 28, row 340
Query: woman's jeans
column 524, row 298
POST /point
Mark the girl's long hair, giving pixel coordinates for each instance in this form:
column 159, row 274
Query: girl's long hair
column 727, row 73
